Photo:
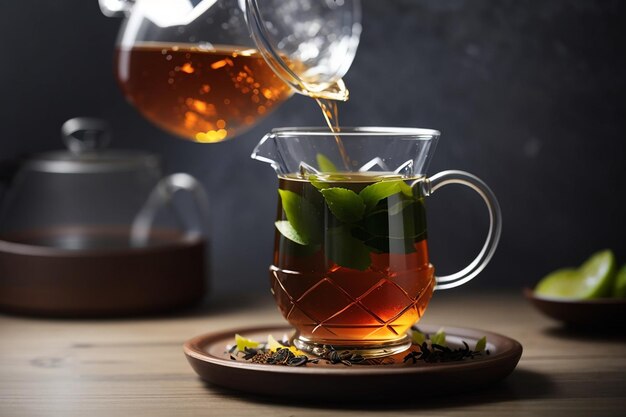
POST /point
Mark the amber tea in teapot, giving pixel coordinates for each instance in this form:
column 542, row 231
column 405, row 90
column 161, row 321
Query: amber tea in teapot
column 207, row 70
column 204, row 94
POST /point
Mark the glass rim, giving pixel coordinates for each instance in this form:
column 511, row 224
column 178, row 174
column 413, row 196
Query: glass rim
column 360, row 131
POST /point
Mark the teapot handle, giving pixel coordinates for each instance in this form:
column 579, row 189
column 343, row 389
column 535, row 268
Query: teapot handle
column 432, row 184
column 162, row 195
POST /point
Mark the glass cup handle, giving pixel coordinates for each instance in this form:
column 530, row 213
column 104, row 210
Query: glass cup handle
column 432, row 184
column 160, row 196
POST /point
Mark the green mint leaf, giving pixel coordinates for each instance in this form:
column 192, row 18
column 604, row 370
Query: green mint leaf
column 402, row 224
column 286, row 229
column 345, row 204
column 377, row 224
column 292, row 250
column 374, row 243
column 418, row 337
column 319, row 184
column 439, row 338
column 386, row 244
column 324, row 164
column 393, row 230
column 373, row 193
column 345, row 250
column 302, row 216
column 326, row 181
column 399, row 225
column 406, row 189
column 481, row 344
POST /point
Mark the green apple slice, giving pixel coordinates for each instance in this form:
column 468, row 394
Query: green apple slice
column 594, row 279
column 562, row 283
column 599, row 274
column 619, row 287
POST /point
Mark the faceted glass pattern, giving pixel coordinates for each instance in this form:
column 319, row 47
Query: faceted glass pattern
column 344, row 305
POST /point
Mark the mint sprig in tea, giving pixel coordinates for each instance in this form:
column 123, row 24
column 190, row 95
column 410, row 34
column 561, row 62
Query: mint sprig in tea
column 351, row 256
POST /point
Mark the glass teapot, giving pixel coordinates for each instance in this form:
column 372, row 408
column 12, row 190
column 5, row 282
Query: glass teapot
column 207, row 70
column 90, row 197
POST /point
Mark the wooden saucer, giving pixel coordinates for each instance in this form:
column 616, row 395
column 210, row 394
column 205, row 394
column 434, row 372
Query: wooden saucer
column 337, row 382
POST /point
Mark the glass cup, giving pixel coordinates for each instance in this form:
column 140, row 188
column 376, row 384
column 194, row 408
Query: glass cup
column 351, row 269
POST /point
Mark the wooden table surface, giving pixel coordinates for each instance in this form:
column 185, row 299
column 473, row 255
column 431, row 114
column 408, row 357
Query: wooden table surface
column 136, row 367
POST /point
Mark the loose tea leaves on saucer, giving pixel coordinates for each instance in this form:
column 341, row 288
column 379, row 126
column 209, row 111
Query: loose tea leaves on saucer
column 434, row 349
column 271, row 352
column 274, row 352
column 426, row 348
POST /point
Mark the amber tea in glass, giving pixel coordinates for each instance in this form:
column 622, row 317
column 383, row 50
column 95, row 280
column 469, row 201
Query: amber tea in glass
column 358, row 269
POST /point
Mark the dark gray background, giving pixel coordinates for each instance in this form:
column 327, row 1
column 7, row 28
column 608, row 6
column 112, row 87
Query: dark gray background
column 529, row 95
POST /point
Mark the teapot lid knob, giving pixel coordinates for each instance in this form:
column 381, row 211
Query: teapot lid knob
column 85, row 134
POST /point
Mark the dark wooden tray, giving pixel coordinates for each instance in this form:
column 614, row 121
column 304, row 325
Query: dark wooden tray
column 49, row 281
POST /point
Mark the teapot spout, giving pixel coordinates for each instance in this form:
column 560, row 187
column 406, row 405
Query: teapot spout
column 267, row 151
